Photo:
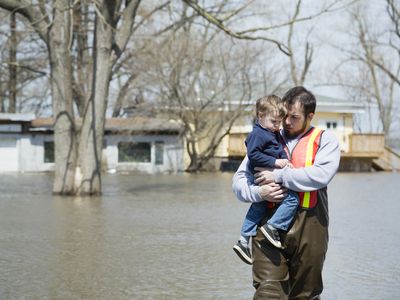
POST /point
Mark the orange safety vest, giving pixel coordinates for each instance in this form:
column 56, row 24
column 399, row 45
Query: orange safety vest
column 302, row 156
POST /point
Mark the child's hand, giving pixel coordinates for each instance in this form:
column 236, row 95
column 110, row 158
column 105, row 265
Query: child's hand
column 281, row 163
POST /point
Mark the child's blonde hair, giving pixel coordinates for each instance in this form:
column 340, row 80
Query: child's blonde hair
column 269, row 105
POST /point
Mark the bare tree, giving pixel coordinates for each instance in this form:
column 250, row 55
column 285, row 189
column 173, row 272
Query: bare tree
column 298, row 76
column 22, row 68
column 376, row 60
column 179, row 91
column 13, row 65
column 78, row 146
column 301, row 42
column 204, row 83
column 3, row 66
column 393, row 12
column 85, row 40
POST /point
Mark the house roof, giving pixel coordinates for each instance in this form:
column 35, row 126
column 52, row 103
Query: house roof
column 142, row 124
column 16, row 117
column 325, row 103
column 130, row 125
column 337, row 105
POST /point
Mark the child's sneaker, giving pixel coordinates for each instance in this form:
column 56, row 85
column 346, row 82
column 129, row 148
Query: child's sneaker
column 272, row 235
column 243, row 252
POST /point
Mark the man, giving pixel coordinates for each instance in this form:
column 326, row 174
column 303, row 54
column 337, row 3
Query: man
column 294, row 272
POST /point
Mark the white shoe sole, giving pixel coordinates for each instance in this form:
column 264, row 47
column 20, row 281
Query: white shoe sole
column 242, row 255
column 270, row 239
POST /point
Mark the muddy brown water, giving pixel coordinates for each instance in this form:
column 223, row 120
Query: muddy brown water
column 171, row 237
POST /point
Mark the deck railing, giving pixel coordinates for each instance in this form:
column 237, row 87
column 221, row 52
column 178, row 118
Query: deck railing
column 236, row 147
column 360, row 144
column 366, row 145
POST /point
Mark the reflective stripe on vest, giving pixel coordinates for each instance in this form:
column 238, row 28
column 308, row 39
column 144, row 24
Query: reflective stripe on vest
column 303, row 155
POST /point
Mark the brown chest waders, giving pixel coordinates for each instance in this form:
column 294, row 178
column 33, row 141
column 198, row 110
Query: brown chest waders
column 296, row 271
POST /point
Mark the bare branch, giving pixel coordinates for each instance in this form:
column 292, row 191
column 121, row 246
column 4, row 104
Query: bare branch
column 384, row 69
column 293, row 71
column 34, row 16
column 328, row 9
column 16, row 64
column 394, row 15
column 125, row 30
column 237, row 11
column 151, row 13
column 122, row 94
column 219, row 23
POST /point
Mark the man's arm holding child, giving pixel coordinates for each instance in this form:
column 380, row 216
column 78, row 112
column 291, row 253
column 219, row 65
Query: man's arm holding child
column 310, row 178
column 246, row 191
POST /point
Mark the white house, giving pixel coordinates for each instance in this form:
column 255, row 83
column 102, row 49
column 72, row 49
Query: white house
column 332, row 114
column 144, row 144
column 337, row 115
column 359, row 152
column 13, row 139
column 130, row 144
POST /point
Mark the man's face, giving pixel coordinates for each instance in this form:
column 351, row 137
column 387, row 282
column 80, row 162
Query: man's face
column 295, row 123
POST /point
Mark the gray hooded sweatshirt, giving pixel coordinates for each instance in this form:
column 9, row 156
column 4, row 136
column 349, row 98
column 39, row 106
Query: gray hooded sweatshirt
column 306, row 179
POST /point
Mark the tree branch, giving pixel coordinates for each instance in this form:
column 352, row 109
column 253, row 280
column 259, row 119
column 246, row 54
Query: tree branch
column 219, row 23
column 325, row 10
column 385, row 70
column 16, row 64
column 33, row 15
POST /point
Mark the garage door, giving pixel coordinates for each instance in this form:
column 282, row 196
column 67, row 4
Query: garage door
column 8, row 155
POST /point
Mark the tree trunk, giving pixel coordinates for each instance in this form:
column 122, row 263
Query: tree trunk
column 194, row 165
column 82, row 62
column 61, row 84
column 12, row 88
column 78, row 149
column 91, row 137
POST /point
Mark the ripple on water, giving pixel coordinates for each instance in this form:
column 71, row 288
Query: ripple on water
column 171, row 237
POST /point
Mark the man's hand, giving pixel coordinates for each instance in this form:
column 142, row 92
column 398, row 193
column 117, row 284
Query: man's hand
column 272, row 192
column 269, row 190
column 263, row 176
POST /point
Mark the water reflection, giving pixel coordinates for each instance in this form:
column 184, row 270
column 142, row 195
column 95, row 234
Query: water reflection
column 78, row 235
column 170, row 237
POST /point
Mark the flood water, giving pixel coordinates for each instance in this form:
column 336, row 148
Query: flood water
column 171, row 237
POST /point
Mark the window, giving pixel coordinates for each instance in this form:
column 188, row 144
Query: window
column 330, row 125
column 48, row 152
column 134, row 152
column 159, row 153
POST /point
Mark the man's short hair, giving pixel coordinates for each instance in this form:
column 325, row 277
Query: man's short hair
column 304, row 96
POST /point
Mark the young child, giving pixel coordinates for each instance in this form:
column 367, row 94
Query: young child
column 265, row 149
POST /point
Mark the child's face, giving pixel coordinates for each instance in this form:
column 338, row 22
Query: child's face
column 270, row 121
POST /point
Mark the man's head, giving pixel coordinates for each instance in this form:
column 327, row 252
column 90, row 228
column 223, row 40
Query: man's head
column 300, row 105
column 270, row 110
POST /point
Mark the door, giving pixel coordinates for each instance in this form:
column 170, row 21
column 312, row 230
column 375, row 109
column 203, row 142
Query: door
column 8, row 155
